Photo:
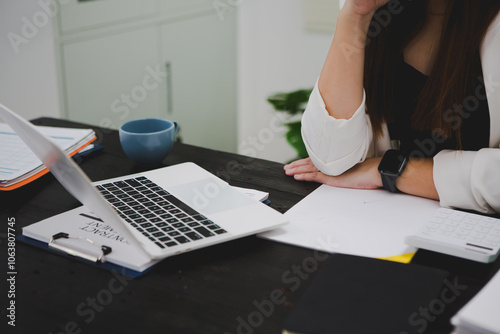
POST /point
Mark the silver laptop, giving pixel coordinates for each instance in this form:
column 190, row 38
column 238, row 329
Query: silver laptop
column 165, row 211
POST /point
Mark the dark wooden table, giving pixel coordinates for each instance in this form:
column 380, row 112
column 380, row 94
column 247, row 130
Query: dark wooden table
column 219, row 289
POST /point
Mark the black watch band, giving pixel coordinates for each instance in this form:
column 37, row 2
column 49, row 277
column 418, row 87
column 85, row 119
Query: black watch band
column 389, row 182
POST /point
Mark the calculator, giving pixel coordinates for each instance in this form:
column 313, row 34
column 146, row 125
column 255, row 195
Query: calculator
column 462, row 234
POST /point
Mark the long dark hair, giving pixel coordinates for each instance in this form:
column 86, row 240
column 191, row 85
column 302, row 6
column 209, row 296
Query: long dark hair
column 454, row 73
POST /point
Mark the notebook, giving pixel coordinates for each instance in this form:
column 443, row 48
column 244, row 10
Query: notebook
column 19, row 165
column 186, row 190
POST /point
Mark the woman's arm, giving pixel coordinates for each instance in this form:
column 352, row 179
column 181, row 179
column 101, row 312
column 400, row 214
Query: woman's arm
column 335, row 128
column 417, row 178
column 341, row 79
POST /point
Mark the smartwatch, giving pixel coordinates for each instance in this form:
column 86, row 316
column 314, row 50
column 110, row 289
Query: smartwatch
column 391, row 166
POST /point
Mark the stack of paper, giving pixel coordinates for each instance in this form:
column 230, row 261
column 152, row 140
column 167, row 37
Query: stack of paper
column 19, row 165
column 480, row 315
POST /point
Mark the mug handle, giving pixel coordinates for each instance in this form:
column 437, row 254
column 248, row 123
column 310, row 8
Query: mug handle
column 176, row 127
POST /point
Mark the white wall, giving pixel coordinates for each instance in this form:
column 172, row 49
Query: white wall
column 276, row 54
column 28, row 81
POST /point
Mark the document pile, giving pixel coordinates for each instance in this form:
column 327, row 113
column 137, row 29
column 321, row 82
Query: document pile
column 19, row 165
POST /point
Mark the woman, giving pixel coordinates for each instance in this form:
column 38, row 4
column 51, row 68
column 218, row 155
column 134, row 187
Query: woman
column 424, row 74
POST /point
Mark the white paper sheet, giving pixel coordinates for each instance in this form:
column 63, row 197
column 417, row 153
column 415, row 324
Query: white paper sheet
column 371, row 223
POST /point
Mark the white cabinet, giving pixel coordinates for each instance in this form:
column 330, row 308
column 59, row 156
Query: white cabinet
column 77, row 15
column 126, row 59
column 176, row 8
column 200, row 54
column 111, row 79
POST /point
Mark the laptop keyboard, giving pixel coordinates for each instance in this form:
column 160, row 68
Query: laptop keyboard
column 156, row 213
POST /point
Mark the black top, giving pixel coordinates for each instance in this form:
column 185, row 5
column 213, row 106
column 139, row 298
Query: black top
column 475, row 119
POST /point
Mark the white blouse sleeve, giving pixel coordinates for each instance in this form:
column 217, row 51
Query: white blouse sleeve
column 335, row 145
column 469, row 180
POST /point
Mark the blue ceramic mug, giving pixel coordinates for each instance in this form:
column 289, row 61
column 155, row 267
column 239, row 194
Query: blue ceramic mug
column 148, row 141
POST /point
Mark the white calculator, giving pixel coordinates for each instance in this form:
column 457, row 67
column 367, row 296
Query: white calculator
column 466, row 235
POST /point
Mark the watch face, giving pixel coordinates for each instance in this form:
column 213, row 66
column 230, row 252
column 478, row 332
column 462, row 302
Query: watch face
column 393, row 162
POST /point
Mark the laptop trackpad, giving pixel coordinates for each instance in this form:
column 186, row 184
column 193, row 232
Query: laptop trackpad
column 210, row 196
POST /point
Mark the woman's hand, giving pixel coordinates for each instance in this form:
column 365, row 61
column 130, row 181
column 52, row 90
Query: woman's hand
column 364, row 175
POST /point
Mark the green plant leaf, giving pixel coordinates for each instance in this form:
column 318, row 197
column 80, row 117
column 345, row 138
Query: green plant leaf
column 294, row 138
column 293, row 102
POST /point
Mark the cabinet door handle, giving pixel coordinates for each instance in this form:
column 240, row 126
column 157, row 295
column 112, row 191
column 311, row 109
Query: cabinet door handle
column 170, row 102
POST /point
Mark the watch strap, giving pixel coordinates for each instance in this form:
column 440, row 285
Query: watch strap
column 389, row 182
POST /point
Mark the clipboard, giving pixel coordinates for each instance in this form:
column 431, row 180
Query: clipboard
column 79, row 235
column 103, row 265
column 99, row 258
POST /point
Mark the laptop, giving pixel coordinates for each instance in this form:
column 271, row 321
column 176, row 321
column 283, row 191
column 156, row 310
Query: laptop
column 165, row 211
